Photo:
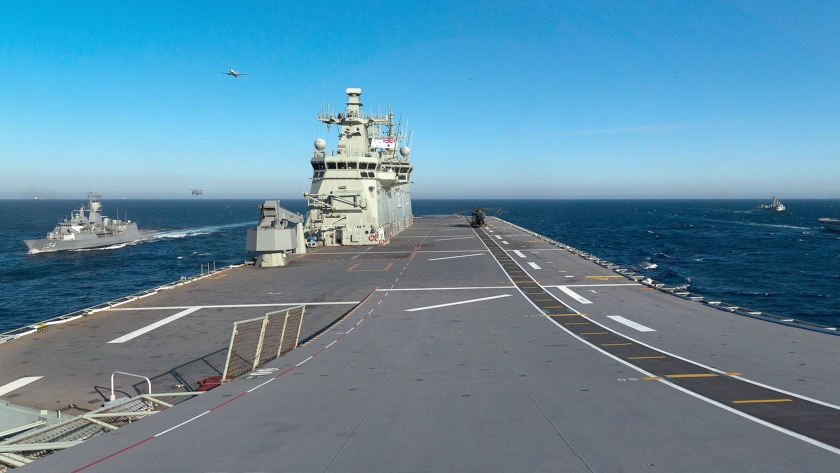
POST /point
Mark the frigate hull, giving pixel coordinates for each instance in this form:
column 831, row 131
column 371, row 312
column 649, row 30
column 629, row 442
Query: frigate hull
column 88, row 228
column 88, row 241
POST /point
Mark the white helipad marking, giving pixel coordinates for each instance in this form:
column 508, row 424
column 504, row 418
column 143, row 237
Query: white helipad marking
column 453, row 257
column 19, row 383
column 533, row 265
column 458, row 303
column 155, row 325
column 630, row 323
column 574, row 295
column 519, row 253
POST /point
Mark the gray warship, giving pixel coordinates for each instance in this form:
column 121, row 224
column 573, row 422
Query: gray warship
column 360, row 192
column 88, row 228
column 830, row 224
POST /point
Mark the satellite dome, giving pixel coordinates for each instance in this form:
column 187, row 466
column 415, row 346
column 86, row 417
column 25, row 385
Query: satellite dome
column 405, row 151
column 320, row 144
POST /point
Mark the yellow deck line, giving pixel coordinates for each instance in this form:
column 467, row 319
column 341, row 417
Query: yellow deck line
column 615, row 344
column 756, row 401
column 577, row 323
column 563, row 315
column 594, row 333
column 645, row 357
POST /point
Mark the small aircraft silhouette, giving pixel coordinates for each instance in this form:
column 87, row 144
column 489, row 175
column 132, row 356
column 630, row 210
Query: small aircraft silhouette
column 234, row 73
column 197, row 192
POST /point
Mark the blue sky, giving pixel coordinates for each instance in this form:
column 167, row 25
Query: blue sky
column 506, row 99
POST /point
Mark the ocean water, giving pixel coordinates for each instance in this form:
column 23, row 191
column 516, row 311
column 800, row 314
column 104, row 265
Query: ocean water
column 780, row 263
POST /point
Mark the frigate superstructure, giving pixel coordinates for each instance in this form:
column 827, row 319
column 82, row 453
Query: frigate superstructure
column 360, row 191
column 88, row 228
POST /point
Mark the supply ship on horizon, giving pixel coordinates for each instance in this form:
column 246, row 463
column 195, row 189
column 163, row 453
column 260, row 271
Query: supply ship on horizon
column 88, row 228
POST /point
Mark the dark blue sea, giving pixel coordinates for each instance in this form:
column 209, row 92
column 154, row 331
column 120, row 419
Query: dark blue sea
column 780, row 263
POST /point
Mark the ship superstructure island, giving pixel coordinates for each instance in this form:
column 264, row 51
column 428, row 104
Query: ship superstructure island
column 88, row 228
column 360, row 191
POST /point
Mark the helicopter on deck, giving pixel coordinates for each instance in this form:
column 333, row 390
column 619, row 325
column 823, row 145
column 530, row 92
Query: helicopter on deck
column 478, row 217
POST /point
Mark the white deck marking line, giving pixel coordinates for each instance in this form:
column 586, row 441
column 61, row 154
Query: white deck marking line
column 630, row 323
column 447, row 251
column 19, row 383
column 599, row 285
column 574, row 295
column 498, row 237
column 519, row 253
column 458, row 303
column 235, row 306
column 158, row 324
column 469, row 288
column 181, row 424
column 260, row 385
column 453, row 257
column 533, row 265
column 505, row 243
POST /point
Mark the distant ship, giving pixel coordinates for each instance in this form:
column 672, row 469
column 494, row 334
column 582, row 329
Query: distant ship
column 774, row 206
column 88, row 228
column 831, row 224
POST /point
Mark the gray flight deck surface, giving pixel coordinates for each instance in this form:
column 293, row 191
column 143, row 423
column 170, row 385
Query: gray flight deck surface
column 478, row 350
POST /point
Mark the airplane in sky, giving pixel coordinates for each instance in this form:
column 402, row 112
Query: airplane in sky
column 197, row 192
column 234, row 73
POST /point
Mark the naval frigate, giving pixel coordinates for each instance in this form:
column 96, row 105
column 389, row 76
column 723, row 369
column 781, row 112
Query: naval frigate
column 88, row 228
column 360, row 191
